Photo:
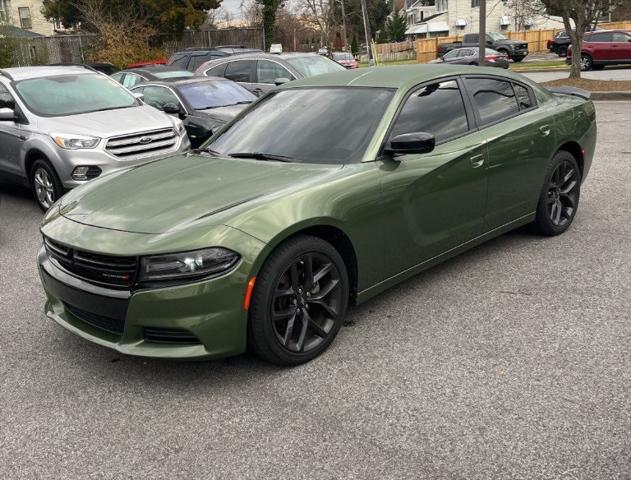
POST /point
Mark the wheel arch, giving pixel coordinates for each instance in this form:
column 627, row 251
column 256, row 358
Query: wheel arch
column 576, row 151
column 331, row 233
column 31, row 156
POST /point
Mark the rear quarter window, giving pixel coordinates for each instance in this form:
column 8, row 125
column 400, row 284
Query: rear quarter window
column 493, row 99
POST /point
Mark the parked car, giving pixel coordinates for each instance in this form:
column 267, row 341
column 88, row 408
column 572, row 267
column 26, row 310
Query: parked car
column 470, row 56
column 261, row 72
column 63, row 126
column 148, row 63
column 559, row 43
column 516, row 50
column 192, row 58
column 129, row 78
column 602, row 48
column 103, row 67
column 237, row 49
column 345, row 59
column 322, row 194
column 203, row 104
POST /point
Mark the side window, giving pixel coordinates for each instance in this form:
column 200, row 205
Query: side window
column 523, row 96
column 179, row 61
column 620, row 37
column 240, row 71
column 494, row 99
column 267, row 72
column 197, row 60
column 451, row 54
column 131, row 79
column 6, row 100
column 158, row 97
column 601, row 37
column 118, row 77
column 217, row 71
column 437, row 109
column 465, row 53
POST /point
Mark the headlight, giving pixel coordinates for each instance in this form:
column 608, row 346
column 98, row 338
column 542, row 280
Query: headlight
column 74, row 142
column 179, row 126
column 187, row 265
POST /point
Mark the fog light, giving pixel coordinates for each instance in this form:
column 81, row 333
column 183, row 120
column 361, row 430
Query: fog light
column 85, row 173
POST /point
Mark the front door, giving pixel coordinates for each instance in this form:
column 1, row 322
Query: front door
column 12, row 137
column 435, row 201
column 243, row 72
column 267, row 72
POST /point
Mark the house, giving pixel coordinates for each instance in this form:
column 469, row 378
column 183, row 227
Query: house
column 438, row 18
column 27, row 15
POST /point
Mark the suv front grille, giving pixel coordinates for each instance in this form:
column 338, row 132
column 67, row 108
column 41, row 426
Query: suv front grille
column 140, row 144
column 106, row 270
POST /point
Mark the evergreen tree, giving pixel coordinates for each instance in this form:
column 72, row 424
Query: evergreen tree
column 396, row 27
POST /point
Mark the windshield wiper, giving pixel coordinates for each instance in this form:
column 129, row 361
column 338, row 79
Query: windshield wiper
column 261, row 156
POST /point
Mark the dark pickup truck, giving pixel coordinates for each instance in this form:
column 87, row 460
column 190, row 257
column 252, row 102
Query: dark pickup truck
column 514, row 49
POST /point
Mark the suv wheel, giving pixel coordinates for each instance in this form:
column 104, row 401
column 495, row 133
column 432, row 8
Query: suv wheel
column 518, row 59
column 562, row 52
column 45, row 184
column 586, row 62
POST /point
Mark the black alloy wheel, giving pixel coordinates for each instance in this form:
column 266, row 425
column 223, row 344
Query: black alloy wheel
column 299, row 301
column 560, row 196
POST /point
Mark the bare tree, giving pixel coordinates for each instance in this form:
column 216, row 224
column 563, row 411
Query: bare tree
column 582, row 14
column 524, row 10
column 320, row 12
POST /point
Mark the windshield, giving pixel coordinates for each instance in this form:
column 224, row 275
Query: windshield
column 173, row 74
column 311, row 125
column 73, row 94
column 342, row 56
column 311, row 65
column 496, row 36
column 215, row 93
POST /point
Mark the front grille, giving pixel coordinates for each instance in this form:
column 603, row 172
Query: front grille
column 106, row 270
column 170, row 335
column 522, row 46
column 108, row 324
column 141, row 144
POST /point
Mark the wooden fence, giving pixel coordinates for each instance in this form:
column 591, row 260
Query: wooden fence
column 427, row 48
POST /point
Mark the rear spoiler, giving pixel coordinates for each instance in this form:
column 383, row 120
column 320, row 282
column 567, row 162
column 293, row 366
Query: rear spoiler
column 573, row 91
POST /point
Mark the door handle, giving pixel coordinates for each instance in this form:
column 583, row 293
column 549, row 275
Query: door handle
column 545, row 130
column 477, row 160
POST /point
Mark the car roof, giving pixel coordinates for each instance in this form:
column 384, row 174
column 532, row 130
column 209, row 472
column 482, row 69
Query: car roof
column 154, row 69
column 184, row 81
column 399, row 77
column 23, row 73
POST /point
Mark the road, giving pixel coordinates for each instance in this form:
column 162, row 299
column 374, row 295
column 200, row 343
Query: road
column 609, row 73
column 512, row 361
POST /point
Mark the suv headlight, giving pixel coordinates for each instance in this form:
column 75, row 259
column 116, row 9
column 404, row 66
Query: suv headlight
column 179, row 126
column 187, row 265
column 74, row 142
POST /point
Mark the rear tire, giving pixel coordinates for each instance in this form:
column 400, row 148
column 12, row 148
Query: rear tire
column 299, row 301
column 560, row 195
column 45, row 184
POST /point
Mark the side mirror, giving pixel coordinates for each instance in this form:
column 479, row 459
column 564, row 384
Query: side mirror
column 416, row 142
column 7, row 115
column 138, row 95
column 171, row 109
column 281, row 80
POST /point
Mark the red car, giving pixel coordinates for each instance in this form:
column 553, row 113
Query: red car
column 345, row 59
column 606, row 47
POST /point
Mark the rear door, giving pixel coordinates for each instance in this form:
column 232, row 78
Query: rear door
column 521, row 141
column 622, row 46
column 242, row 72
column 600, row 45
column 436, row 199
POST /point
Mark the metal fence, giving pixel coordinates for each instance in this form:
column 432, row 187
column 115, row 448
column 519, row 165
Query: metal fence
column 248, row 37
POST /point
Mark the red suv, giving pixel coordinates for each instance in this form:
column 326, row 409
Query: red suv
column 606, row 47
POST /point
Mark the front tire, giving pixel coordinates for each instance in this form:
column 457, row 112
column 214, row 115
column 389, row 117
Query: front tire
column 45, row 184
column 558, row 201
column 562, row 52
column 586, row 63
column 299, row 301
column 518, row 59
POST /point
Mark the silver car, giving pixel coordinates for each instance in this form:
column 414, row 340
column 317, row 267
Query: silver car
column 61, row 126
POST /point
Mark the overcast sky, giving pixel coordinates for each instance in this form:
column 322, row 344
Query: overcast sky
column 233, row 6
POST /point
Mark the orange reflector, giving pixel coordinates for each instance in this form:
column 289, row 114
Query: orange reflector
column 248, row 294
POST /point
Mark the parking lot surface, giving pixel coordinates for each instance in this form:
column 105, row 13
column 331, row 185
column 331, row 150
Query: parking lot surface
column 609, row 73
column 510, row 361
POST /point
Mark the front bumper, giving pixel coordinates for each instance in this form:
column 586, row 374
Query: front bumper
column 211, row 311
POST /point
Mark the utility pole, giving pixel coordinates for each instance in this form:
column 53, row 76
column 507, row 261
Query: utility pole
column 344, row 26
column 371, row 62
column 482, row 39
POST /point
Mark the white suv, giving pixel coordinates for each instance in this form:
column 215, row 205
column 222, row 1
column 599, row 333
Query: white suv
column 61, row 126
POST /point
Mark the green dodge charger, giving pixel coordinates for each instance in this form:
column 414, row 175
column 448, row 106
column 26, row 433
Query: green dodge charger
column 322, row 194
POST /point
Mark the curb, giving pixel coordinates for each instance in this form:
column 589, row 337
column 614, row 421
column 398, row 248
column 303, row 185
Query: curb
column 612, row 95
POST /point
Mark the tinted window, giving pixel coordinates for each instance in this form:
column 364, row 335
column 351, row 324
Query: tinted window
column 240, row 71
column 465, row 52
column 197, row 60
column 158, row 97
column 451, row 54
column 620, row 37
column 72, row 94
column 6, row 100
column 131, row 79
column 494, row 99
column 118, row 77
column 333, row 125
column 268, row 71
column 215, row 93
column 437, row 109
column 523, row 96
column 599, row 37
column 217, row 71
column 311, row 65
column 179, row 61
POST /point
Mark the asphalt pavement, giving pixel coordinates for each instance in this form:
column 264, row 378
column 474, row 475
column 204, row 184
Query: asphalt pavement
column 510, row 361
column 609, row 73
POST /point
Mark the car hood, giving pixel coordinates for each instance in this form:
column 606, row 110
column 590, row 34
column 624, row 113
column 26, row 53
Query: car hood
column 180, row 191
column 512, row 42
column 223, row 114
column 110, row 123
